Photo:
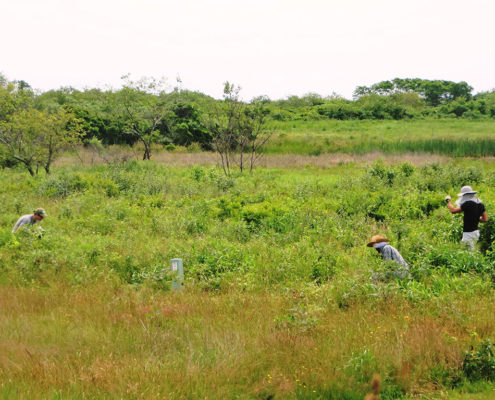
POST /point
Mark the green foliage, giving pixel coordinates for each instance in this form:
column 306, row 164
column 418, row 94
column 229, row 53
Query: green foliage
column 295, row 239
column 457, row 260
column 479, row 362
column 434, row 92
column 185, row 126
column 270, row 229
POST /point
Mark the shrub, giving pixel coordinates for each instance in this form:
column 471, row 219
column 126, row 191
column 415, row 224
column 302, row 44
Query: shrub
column 62, row 185
column 479, row 362
column 457, row 260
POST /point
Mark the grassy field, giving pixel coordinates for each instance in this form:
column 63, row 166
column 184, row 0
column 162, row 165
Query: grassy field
column 278, row 299
column 452, row 137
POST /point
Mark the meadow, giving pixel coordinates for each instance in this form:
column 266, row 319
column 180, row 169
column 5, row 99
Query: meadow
column 278, row 299
column 451, row 137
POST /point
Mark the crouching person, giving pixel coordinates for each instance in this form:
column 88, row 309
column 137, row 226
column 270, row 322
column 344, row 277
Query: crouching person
column 474, row 213
column 31, row 220
column 389, row 253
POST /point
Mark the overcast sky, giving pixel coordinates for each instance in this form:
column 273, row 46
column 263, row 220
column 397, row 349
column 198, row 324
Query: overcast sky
column 269, row 47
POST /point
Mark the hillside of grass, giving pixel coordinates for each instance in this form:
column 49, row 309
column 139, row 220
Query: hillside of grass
column 278, row 301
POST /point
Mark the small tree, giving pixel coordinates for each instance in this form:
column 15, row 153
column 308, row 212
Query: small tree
column 238, row 130
column 22, row 135
column 35, row 138
column 144, row 107
column 225, row 125
column 61, row 130
column 253, row 134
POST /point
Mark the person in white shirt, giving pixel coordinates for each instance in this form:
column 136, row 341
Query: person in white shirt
column 30, row 219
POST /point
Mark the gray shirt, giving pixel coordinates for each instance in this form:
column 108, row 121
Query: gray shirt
column 391, row 253
column 24, row 220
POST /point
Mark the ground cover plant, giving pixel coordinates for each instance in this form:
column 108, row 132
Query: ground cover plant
column 278, row 300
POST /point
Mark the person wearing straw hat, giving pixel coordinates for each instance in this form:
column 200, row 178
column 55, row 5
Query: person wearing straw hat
column 30, row 220
column 390, row 253
column 474, row 213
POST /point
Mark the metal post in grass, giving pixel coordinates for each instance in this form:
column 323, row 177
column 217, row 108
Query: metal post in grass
column 177, row 273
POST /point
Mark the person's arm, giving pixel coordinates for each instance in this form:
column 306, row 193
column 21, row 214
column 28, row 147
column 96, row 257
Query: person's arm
column 452, row 209
column 484, row 217
column 17, row 225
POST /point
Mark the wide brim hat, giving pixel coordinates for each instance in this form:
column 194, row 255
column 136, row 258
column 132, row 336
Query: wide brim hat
column 377, row 239
column 466, row 190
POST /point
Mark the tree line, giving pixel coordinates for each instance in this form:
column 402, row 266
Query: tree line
column 394, row 99
column 36, row 126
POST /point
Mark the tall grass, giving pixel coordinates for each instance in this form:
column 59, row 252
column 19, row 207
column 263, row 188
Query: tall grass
column 115, row 342
column 456, row 148
column 278, row 300
column 447, row 137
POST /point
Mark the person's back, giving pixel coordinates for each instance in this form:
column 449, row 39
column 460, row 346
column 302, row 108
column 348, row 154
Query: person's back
column 390, row 253
column 472, row 212
column 31, row 219
column 27, row 219
column 400, row 268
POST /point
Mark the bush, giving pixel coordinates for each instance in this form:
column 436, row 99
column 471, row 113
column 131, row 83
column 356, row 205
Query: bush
column 457, row 260
column 479, row 362
column 62, row 185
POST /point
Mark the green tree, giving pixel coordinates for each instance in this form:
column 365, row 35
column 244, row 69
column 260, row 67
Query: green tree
column 35, row 138
column 186, row 127
column 13, row 97
column 144, row 107
column 21, row 136
column 435, row 92
column 60, row 130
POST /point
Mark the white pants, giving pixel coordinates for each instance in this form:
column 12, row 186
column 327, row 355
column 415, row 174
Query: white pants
column 470, row 239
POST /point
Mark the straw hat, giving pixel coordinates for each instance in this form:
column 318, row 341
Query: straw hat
column 377, row 239
column 466, row 190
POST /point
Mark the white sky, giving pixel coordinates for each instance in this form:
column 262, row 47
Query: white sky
column 268, row 47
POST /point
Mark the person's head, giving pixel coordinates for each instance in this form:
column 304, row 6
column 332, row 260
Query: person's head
column 39, row 214
column 466, row 191
column 378, row 242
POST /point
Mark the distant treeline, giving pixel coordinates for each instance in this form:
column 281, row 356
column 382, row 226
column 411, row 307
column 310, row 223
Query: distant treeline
column 184, row 114
column 395, row 99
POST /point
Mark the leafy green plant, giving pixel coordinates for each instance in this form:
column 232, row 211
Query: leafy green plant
column 479, row 361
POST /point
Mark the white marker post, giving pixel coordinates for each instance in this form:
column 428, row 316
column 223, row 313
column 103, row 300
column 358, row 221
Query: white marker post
column 177, row 273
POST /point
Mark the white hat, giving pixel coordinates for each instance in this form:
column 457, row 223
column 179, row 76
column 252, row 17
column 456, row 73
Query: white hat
column 466, row 190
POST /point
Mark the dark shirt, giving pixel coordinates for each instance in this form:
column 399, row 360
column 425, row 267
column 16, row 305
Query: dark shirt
column 472, row 213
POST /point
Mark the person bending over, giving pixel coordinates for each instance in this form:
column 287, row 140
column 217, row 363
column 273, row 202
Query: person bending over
column 30, row 220
column 390, row 253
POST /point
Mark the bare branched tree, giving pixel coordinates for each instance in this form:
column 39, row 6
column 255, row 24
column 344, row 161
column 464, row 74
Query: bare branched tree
column 238, row 130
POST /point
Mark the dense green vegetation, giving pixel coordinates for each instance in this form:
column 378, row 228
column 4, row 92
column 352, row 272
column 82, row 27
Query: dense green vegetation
column 282, row 298
column 145, row 111
column 278, row 299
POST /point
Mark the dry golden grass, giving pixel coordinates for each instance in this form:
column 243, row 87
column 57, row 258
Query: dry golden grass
column 122, row 342
column 118, row 154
